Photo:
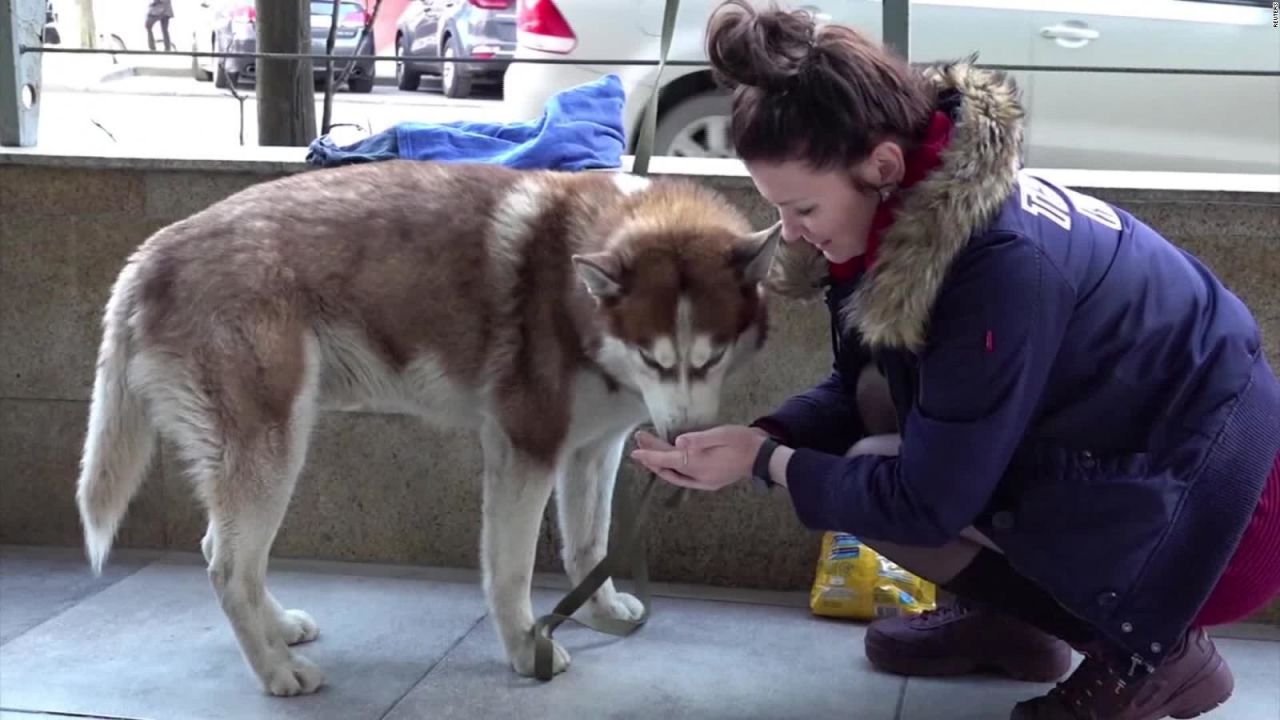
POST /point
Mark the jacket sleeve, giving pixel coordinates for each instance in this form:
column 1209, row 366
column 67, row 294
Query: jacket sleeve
column 993, row 339
column 824, row 418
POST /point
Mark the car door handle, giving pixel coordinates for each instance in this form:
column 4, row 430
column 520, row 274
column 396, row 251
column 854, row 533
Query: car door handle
column 1069, row 32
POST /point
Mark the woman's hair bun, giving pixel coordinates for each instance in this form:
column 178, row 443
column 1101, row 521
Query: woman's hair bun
column 765, row 50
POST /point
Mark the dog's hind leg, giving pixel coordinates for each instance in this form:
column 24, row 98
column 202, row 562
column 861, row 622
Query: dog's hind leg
column 516, row 490
column 246, row 526
column 584, row 499
column 263, row 419
column 294, row 626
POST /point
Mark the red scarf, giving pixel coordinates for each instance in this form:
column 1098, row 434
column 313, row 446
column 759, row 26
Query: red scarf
column 919, row 164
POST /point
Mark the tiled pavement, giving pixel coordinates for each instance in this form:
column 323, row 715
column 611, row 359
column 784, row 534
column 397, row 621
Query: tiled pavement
column 148, row 640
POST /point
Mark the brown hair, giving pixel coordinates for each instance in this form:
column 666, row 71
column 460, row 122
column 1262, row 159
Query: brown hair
column 825, row 96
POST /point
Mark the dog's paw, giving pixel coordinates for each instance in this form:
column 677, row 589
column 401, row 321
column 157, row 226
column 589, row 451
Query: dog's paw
column 296, row 626
column 296, row 675
column 619, row 606
column 523, row 660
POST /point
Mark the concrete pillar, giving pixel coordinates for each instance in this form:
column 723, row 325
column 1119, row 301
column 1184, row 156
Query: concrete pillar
column 21, row 24
column 895, row 16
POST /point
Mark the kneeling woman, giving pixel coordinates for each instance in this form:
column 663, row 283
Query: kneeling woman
column 1088, row 428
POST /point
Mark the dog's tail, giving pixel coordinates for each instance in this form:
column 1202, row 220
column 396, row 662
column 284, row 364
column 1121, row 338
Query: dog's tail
column 120, row 440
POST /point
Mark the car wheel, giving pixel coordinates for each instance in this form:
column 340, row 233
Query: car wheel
column 406, row 79
column 696, row 127
column 360, row 84
column 454, row 78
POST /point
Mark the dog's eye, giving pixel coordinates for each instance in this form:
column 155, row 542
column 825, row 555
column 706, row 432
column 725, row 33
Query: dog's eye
column 716, row 357
column 650, row 361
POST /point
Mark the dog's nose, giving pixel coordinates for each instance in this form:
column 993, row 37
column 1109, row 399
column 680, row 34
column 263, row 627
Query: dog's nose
column 677, row 431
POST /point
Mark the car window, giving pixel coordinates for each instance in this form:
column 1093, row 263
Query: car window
column 320, row 7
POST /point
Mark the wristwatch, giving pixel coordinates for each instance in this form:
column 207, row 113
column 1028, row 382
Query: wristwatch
column 760, row 469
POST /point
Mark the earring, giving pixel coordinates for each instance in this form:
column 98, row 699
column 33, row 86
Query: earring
column 886, row 191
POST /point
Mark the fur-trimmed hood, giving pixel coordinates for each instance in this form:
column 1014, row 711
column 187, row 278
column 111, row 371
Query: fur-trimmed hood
column 935, row 218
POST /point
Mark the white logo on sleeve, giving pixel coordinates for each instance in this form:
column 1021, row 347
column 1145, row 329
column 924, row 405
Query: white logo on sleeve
column 1038, row 199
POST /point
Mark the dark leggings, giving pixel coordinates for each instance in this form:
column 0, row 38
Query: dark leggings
column 164, row 32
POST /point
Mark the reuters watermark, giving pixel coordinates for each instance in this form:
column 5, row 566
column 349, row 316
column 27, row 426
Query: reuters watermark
column 1275, row 13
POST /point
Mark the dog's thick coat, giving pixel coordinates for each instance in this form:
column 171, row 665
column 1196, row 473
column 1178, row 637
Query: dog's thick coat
column 552, row 312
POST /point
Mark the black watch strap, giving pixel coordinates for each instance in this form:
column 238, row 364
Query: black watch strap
column 760, row 469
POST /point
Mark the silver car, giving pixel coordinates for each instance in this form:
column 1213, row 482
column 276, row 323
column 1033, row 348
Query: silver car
column 234, row 29
column 454, row 28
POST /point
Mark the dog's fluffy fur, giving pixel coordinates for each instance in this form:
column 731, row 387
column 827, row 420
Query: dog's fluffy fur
column 551, row 312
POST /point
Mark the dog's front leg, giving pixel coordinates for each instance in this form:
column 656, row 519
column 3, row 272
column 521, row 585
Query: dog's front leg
column 516, row 490
column 584, row 499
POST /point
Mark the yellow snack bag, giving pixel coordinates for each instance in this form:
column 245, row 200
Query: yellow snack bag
column 854, row 581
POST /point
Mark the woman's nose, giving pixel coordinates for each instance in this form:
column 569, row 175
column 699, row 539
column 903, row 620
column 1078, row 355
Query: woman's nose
column 791, row 230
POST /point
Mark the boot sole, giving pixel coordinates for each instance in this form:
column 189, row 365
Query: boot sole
column 1042, row 667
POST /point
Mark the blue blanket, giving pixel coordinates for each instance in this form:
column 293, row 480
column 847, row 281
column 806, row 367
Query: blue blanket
column 580, row 128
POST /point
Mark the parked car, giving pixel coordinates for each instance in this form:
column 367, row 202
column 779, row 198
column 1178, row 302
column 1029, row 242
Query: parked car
column 454, row 28
column 230, row 26
column 1077, row 119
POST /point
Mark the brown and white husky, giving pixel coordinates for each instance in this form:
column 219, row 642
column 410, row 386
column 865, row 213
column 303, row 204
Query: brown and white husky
column 551, row 312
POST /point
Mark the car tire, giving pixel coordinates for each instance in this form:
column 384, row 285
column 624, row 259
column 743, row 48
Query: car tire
column 455, row 81
column 360, row 84
column 406, row 79
column 697, row 126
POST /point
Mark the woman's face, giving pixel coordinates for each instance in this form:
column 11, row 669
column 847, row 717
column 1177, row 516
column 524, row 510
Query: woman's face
column 823, row 208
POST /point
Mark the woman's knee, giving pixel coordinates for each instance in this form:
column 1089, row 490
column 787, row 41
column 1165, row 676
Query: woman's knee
column 938, row 565
column 876, row 445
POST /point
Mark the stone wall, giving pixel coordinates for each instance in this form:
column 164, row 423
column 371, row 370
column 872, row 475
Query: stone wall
column 386, row 488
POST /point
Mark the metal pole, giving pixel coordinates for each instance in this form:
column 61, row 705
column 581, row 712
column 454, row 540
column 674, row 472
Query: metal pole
column 1100, row 70
column 30, row 49
column 21, row 23
column 895, row 17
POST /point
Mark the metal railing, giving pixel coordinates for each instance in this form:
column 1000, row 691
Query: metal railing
column 616, row 61
column 20, row 76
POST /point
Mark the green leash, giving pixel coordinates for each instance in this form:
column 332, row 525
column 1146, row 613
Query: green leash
column 630, row 545
column 630, row 521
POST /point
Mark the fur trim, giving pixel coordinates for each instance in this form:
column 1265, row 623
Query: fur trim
column 935, row 220
column 939, row 214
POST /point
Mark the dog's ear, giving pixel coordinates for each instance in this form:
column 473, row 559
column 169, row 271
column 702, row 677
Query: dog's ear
column 601, row 272
column 753, row 254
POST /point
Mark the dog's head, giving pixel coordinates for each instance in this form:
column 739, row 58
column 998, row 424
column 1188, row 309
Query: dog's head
column 680, row 294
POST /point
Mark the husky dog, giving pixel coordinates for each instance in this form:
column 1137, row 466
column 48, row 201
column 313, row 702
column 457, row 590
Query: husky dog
column 552, row 312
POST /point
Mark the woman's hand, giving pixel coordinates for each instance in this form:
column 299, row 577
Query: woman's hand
column 707, row 460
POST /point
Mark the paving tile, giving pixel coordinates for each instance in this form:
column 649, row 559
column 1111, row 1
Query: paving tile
column 37, row 583
column 695, row 659
column 967, row 698
column 156, row 645
column 1255, row 664
column 24, row 715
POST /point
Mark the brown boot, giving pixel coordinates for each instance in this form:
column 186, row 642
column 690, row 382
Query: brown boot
column 958, row 640
column 1193, row 680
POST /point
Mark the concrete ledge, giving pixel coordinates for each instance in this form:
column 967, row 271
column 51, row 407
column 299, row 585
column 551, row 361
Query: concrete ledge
column 387, row 489
column 270, row 158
